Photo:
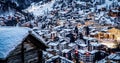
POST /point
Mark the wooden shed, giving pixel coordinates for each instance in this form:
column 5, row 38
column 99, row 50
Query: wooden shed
column 20, row 45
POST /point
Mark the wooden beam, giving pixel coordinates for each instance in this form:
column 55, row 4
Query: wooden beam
column 37, row 43
column 40, row 59
column 4, row 61
column 22, row 52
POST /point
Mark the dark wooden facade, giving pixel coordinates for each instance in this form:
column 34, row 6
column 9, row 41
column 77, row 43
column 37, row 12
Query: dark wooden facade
column 29, row 51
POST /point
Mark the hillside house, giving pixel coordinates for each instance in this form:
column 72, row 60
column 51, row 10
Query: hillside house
column 20, row 45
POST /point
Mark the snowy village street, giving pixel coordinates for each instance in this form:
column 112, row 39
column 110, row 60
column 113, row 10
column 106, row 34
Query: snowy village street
column 60, row 31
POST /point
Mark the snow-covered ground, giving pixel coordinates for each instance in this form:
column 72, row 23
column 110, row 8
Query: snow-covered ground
column 39, row 10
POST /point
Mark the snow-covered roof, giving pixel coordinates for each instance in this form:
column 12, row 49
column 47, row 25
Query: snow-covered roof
column 64, row 43
column 63, row 12
column 98, row 16
column 62, row 58
column 96, row 44
column 89, row 38
column 82, row 51
column 48, row 54
column 119, row 3
column 115, row 56
column 66, row 50
column 105, row 61
column 82, row 3
column 81, row 12
column 67, row 30
column 40, row 33
column 71, row 44
column 94, row 51
column 53, row 43
column 11, row 37
column 106, row 20
column 108, row 2
column 101, row 6
column 53, row 32
column 35, row 28
column 115, row 11
column 94, row 33
column 83, row 45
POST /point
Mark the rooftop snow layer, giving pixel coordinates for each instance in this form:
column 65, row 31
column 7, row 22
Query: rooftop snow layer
column 114, row 56
column 10, row 38
column 61, row 58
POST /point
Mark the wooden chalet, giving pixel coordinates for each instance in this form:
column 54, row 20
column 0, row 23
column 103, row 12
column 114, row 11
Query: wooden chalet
column 20, row 45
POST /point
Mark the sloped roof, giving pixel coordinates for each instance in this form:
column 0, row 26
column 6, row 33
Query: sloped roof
column 59, row 57
column 11, row 37
column 115, row 56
